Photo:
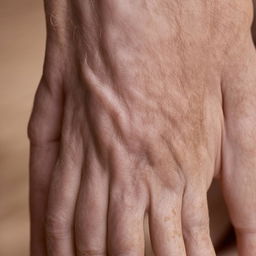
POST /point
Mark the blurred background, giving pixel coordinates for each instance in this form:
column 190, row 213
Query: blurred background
column 22, row 37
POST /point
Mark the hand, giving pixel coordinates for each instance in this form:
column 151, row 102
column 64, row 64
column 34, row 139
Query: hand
column 137, row 110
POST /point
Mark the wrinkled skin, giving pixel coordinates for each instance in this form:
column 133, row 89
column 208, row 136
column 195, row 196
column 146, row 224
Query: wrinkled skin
column 141, row 104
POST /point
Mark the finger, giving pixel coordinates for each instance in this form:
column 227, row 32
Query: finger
column 195, row 221
column 43, row 131
column 238, row 184
column 125, row 222
column 238, row 176
column 65, row 186
column 165, row 224
column 61, row 206
column 42, row 161
column 238, row 180
column 91, row 211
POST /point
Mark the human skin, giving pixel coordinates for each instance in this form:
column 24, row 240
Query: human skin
column 140, row 106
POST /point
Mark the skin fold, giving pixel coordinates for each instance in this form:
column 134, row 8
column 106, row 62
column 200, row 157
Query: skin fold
column 140, row 106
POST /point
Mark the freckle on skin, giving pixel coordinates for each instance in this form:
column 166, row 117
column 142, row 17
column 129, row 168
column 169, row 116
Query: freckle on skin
column 166, row 219
column 175, row 234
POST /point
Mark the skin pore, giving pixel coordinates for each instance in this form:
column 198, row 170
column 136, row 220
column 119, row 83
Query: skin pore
column 141, row 104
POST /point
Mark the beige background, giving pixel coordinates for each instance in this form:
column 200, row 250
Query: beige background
column 21, row 55
column 22, row 35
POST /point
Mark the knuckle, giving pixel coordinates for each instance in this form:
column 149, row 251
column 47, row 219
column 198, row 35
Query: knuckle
column 124, row 195
column 44, row 123
column 32, row 129
column 36, row 132
column 35, row 124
